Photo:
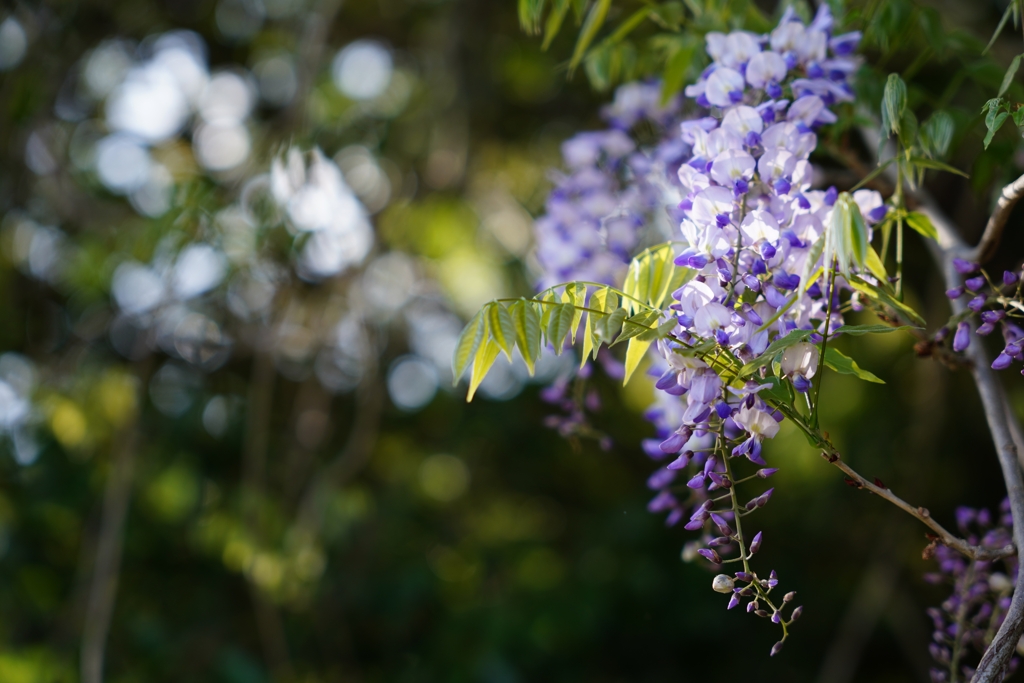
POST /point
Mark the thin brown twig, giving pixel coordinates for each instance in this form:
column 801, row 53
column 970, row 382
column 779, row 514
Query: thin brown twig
column 922, row 514
column 993, row 234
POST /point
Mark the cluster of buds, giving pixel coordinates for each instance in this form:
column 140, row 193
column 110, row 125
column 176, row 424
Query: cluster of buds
column 966, row 622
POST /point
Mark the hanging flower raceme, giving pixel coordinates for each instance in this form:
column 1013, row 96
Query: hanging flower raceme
column 759, row 241
column 736, row 309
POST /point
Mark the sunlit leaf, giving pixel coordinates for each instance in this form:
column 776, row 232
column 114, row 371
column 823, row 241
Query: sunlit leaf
column 598, row 301
column 466, row 348
column 526, row 320
column 845, row 365
column 559, row 325
column 575, row 294
column 499, row 322
column 636, row 325
column 881, row 297
column 875, row 265
column 922, row 224
column 635, row 352
column 481, row 364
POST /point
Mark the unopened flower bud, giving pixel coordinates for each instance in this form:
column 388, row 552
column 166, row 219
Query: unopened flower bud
column 789, row 597
column 752, row 605
column 999, row 582
column 962, row 338
column 800, row 359
column 744, row 576
column 766, row 472
column 710, row 555
column 761, row 613
column 733, row 601
column 722, row 584
column 964, row 267
column 776, row 648
column 755, row 544
column 776, row 618
column 975, row 283
column 796, row 613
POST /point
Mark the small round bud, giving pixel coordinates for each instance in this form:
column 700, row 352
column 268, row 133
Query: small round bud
column 776, row 648
column 789, row 597
column 796, row 613
column 776, row 618
column 722, row 584
column 761, row 613
column 999, row 582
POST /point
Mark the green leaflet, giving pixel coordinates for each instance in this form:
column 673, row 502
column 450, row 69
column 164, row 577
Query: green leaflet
column 554, row 22
column 922, row 224
column 636, row 325
column 860, row 330
column 591, row 25
column 576, row 294
column 466, row 348
column 845, row 365
column 610, row 326
column 481, row 364
column 598, row 301
column 773, row 350
column 530, row 12
column 894, row 102
column 880, row 296
column 1010, row 73
column 933, row 164
column 875, row 265
column 526, row 321
column 499, row 323
column 653, row 276
column 635, row 352
column 559, row 325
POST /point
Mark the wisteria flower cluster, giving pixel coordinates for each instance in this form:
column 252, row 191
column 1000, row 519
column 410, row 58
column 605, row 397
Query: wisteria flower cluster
column 996, row 304
column 597, row 213
column 755, row 233
column 966, row 622
column 737, row 310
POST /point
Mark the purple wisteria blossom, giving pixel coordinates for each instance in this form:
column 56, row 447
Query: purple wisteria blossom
column 735, row 185
column 994, row 304
column 966, row 622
